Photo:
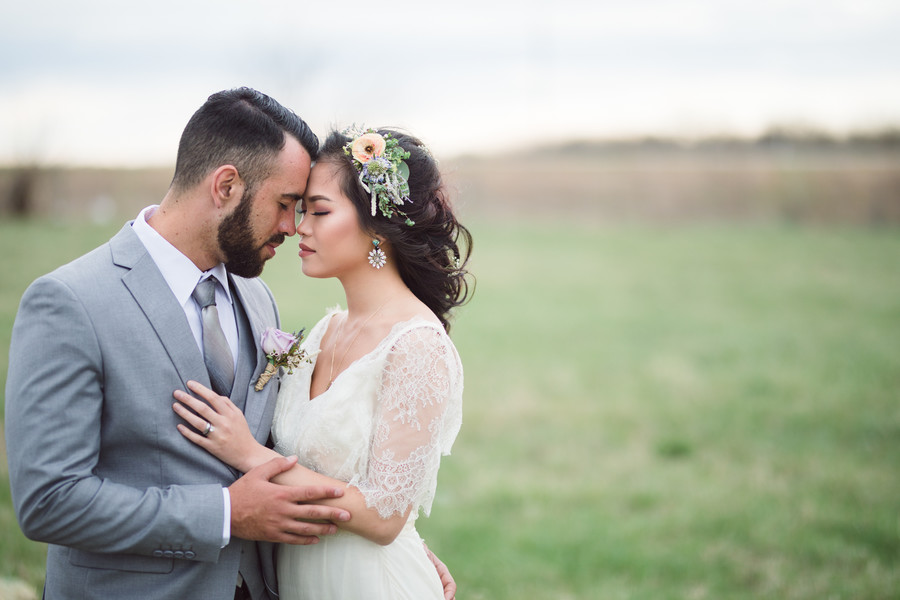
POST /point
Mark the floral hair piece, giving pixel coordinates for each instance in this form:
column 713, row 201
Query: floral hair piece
column 379, row 160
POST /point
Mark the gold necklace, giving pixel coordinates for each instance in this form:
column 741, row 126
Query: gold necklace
column 353, row 341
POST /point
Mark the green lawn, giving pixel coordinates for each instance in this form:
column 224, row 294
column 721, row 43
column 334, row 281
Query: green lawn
column 703, row 411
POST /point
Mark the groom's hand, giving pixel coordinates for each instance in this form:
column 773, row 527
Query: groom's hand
column 444, row 573
column 266, row 511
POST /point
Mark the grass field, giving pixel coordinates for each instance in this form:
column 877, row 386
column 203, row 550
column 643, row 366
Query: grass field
column 701, row 411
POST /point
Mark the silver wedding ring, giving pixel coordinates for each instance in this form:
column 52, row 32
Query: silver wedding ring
column 209, row 429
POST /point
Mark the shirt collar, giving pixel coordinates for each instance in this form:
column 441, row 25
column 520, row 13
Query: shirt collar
column 178, row 270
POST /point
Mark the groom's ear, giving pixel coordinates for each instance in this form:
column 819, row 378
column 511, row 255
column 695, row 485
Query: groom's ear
column 227, row 186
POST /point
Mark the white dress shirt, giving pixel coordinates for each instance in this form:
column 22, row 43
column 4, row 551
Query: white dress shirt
column 182, row 275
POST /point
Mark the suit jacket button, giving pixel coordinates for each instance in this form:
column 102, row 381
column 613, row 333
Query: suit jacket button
column 158, row 553
column 179, row 554
column 168, row 554
column 189, row 554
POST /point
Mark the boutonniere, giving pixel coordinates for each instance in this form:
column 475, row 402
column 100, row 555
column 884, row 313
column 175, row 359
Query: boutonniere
column 282, row 350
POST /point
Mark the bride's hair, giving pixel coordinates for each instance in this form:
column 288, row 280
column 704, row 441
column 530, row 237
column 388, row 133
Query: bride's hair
column 432, row 254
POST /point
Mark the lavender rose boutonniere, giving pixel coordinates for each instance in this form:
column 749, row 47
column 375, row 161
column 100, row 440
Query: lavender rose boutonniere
column 283, row 350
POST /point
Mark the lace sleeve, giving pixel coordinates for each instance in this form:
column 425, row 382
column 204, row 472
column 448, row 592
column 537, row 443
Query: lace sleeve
column 418, row 416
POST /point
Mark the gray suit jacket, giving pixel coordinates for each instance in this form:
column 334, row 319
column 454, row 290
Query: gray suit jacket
column 129, row 507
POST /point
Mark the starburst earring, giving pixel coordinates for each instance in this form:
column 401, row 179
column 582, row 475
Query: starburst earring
column 377, row 257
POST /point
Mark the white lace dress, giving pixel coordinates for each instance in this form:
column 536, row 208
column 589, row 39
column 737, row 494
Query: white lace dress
column 382, row 427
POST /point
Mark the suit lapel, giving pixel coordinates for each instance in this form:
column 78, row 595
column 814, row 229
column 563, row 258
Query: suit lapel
column 255, row 405
column 166, row 316
column 151, row 292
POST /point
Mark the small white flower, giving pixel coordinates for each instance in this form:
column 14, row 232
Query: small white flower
column 377, row 258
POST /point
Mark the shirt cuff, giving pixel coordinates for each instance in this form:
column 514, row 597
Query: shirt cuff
column 226, row 524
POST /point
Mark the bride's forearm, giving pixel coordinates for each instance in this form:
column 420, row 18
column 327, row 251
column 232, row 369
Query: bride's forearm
column 364, row 521
column 258, row 455
column 299, row 475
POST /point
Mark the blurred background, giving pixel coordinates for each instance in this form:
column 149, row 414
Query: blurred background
column 662, row 109
column 681, row 358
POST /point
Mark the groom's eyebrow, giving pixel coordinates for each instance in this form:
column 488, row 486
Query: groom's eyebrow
column 294, row 197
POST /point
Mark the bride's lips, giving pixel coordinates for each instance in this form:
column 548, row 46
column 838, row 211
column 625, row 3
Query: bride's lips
column 305, row 251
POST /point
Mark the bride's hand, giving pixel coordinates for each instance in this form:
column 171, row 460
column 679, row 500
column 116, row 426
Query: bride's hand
column 223, row 430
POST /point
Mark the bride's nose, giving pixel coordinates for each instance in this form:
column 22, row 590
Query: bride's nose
column 302, row 227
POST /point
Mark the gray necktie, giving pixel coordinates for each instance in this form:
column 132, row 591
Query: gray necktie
column 216, row 352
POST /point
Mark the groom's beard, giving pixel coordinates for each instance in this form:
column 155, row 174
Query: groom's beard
column 237, row 241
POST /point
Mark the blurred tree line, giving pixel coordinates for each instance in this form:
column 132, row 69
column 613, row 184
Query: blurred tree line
column 780, row 139
column 788, row 173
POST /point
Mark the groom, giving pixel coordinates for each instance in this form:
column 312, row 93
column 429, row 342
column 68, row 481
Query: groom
column 129, row 508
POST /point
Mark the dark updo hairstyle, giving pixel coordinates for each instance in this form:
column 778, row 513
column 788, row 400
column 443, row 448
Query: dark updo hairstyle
column 432, row 254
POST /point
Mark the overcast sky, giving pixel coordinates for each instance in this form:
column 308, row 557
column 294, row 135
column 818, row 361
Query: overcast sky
column 113, row 83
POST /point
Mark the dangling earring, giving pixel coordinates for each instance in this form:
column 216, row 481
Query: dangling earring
column 377, row 257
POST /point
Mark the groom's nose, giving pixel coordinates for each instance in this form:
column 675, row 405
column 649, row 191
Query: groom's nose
column 288, row 226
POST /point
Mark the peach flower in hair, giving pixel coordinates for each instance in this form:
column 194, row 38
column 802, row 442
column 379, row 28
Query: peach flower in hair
column 367, row 146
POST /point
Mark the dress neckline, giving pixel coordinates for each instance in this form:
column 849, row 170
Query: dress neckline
column 394, row 331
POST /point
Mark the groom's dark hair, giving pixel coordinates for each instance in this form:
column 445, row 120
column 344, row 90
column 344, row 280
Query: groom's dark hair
column 240, row 127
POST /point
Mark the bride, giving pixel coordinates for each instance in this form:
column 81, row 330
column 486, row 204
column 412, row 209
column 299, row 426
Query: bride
column 380, row 399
